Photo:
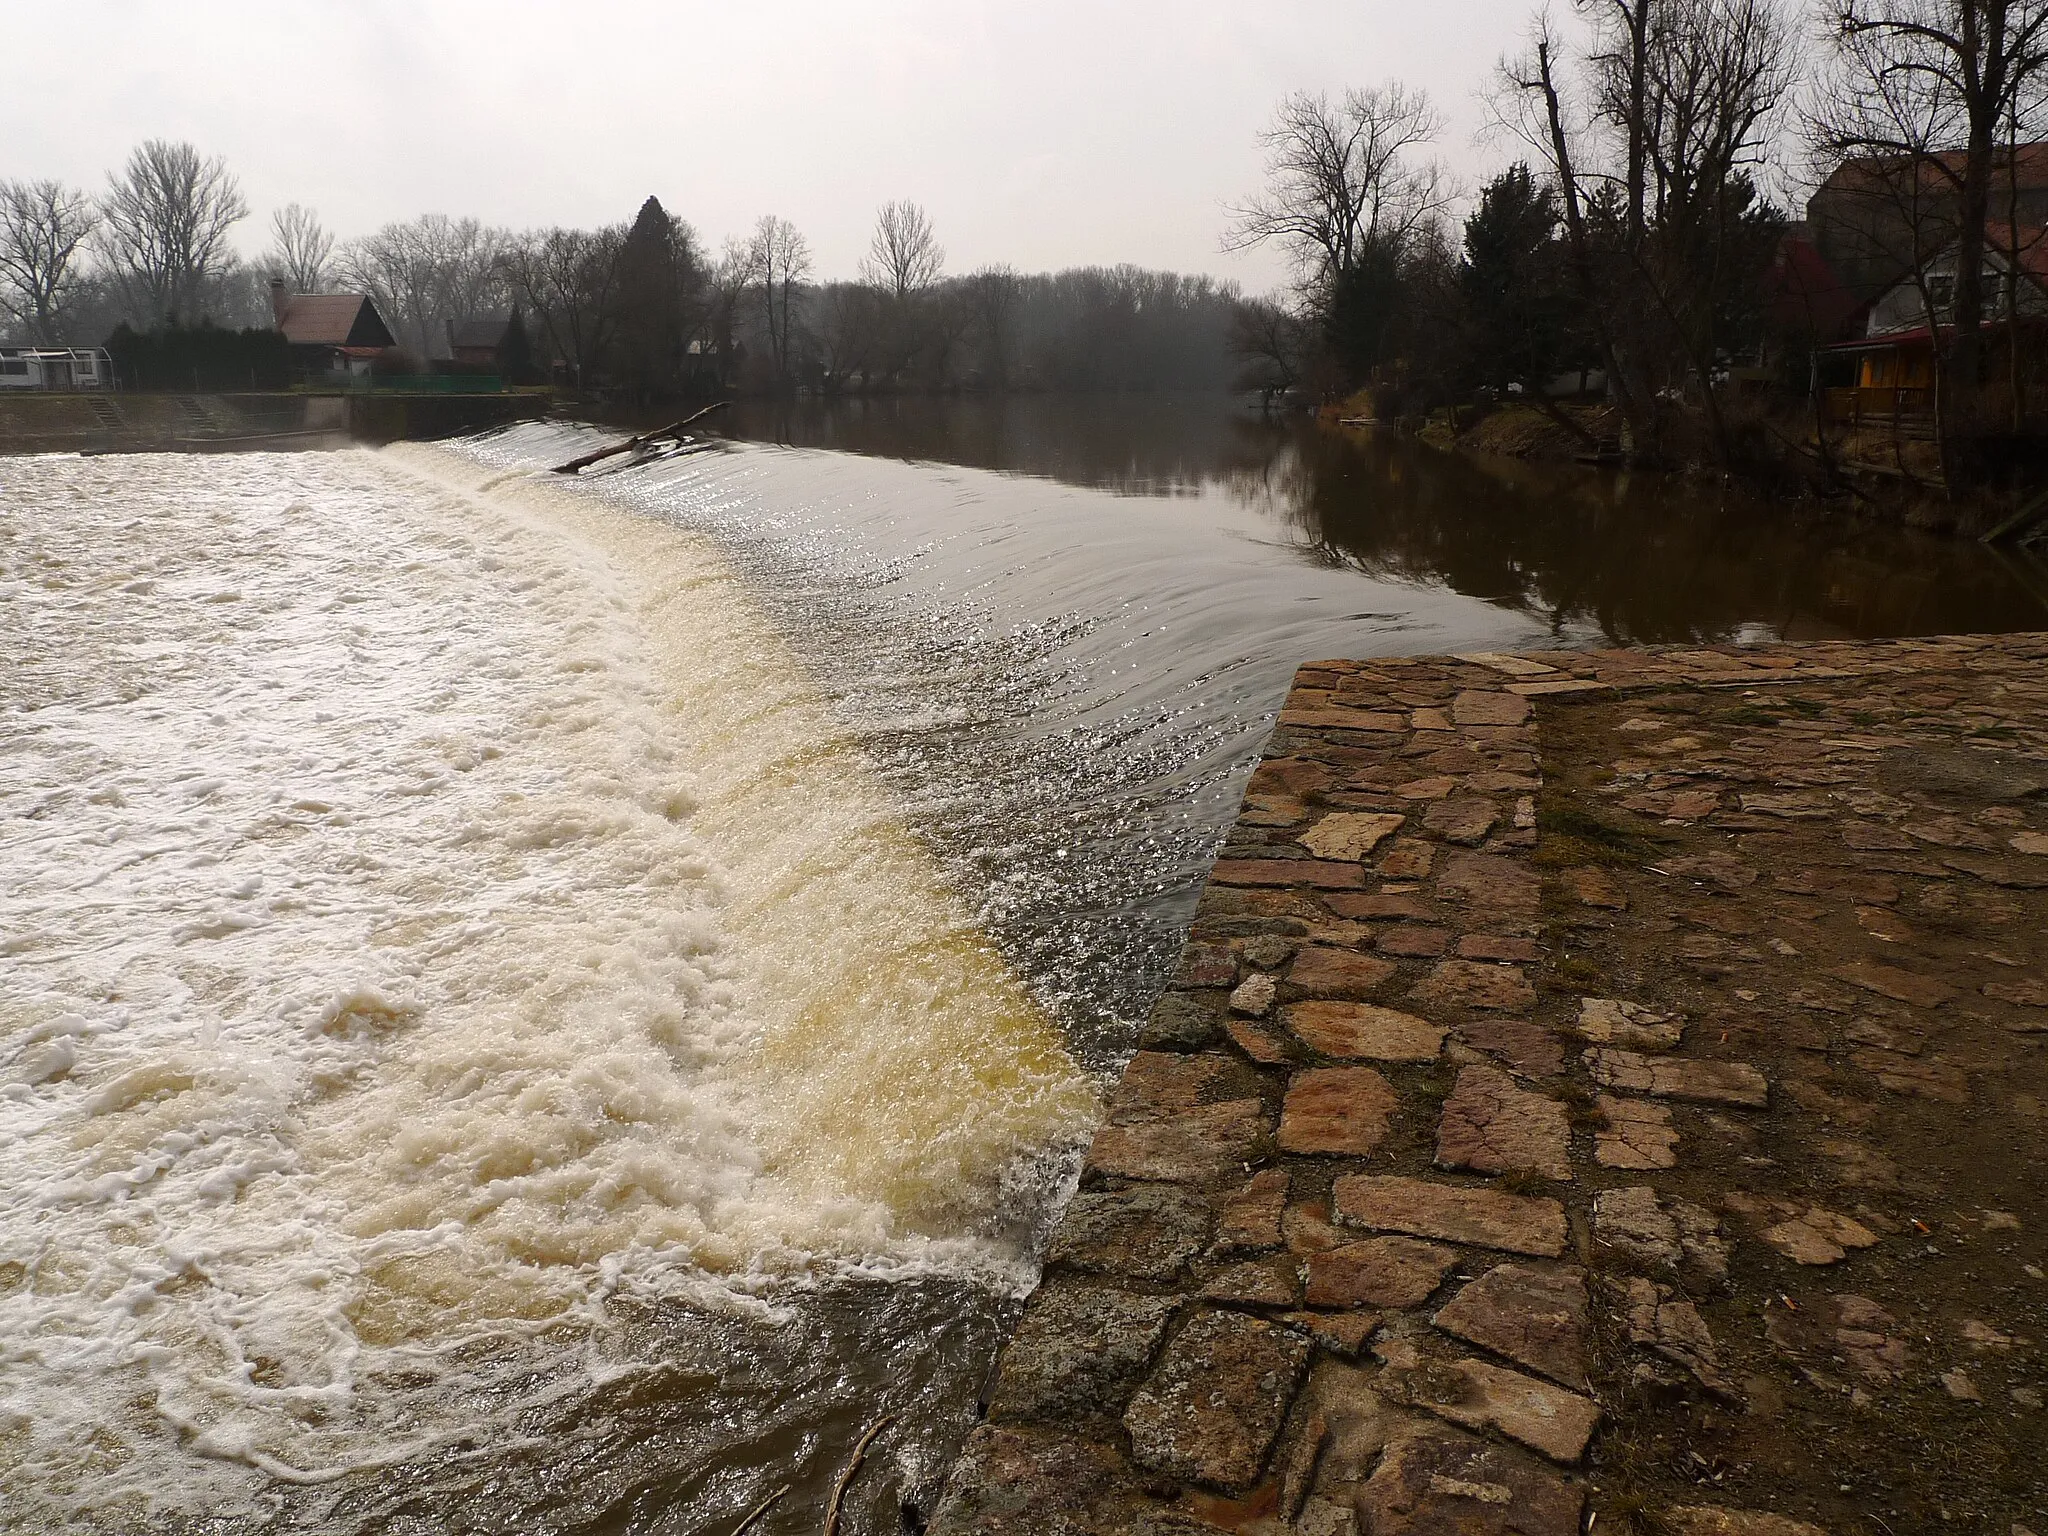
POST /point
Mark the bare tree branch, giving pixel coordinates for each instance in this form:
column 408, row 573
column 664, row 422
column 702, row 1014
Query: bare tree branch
column 299, row 249
column 165, row 230
column 43, row 224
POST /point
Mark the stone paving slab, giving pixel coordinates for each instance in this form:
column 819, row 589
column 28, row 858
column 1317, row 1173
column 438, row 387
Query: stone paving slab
column 1597, row 1086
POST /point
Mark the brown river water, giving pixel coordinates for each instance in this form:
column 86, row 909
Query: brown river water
column 552, row 1006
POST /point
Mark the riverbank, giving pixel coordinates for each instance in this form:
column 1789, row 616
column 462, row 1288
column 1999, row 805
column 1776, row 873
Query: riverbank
column 1596, row 1084
column 1871, row 478
column 100, row 421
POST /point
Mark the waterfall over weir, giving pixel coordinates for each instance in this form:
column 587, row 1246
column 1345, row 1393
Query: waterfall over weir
column 558, row 1003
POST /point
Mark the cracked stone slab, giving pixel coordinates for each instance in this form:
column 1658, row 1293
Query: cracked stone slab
column 1438, row 1482
column 1529, row 1048
column 1078, row 1353
column 1156, row 1084
column 1193, row 1146
column 1397, row 1272
column 1659, row 1235
column 1249, row 1220
column 1596, row 888
column 1681, row 1077
column 1337, row 1110
column 1490, row 882
column 1818, row 1237
column 1462, row 819
column 1271, row 1282
column 1341, row 1333
column 1474, row 984
column 1484, row 707
column 1006, row 1475
column 1213, row 1406
column 1349, row 835
column 1675, row 1330
column 1920, row 1079
column 1705, row 1520
column 1637, row 1134
column 1893, row 981
column 1610, row 1021
column 1146, row 1231
column 1541, row 1415
column 1458, row 1213
column 1492, row 1125
column 1363, row 1032
column 1534, row 1317
column 1324, row 970
column 1254, row 995
column 1183, row 1021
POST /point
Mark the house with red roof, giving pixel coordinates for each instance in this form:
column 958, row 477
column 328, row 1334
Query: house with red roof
column 331, row 334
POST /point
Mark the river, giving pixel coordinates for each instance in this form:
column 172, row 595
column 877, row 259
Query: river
column 553, row 1006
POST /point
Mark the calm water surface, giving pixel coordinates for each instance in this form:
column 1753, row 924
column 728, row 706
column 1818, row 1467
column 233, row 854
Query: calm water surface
column 1595, row 555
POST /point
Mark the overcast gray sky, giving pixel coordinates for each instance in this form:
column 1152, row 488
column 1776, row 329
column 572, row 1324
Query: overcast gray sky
column 1046, row 133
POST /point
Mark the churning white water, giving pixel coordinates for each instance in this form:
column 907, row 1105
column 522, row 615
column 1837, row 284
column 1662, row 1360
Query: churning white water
column 436, row 905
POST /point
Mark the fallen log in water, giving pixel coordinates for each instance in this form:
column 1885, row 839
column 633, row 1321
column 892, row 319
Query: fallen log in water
column 674, row 429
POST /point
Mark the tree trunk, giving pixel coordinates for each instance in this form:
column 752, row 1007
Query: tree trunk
column 1633, row 422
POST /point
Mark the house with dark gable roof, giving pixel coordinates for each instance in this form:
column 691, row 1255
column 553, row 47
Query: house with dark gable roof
column 495, row 342
column 330, row 333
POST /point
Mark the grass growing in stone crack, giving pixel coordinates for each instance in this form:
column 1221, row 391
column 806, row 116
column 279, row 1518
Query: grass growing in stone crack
column 1569, row 834
column 1581, row 1107
column 1748, row 714
column 1571, row 973
column 1526, row 1181
column 1435, row 1081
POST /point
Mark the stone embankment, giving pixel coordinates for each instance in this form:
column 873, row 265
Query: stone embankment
column 130, row 422
column 1600, row 1090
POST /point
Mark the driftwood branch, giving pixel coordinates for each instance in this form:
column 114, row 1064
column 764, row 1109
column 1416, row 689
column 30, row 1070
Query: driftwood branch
column 673, row 430
column 759, row 1510
column 860, row 1452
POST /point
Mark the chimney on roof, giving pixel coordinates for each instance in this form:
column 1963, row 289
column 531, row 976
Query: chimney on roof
column 279, row 300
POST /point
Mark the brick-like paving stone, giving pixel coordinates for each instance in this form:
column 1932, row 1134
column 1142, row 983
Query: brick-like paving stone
column 1596, row 1085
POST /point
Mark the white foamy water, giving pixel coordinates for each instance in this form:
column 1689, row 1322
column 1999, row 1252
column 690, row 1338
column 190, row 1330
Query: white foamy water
column 435, row 905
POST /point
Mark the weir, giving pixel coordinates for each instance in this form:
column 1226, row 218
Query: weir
column 571, row 1001
column 1596, row 1086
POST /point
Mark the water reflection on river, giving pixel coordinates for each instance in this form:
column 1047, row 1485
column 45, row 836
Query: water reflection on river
column 1636, row 558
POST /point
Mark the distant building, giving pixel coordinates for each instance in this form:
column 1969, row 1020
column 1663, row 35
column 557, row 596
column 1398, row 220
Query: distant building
column 55, row 368
column 494, row 342
column 331, row 333
column 1894, row 358
column 1808, row 301
column 1878, row 217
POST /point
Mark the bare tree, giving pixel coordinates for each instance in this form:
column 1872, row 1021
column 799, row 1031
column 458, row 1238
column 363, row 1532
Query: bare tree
column 1926, row 89
column 1271, row 343
column 850, row 326
column 299, row 249
column 166, row 222
column 426, row 272
column 568, row 280
column 43, row 224
column 1655, row 175
column 779, row 259
column 904, row 257
column 1342, row 178
column 995, row 293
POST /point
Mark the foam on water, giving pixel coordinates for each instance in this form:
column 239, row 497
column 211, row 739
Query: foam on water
column 436, row 904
